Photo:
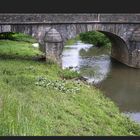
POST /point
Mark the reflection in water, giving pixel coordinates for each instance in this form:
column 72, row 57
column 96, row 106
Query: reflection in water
column 94, row 69
column 117, row 81
column 71, row 56
column 123, row 86
column 134, row 116
column 88, row 60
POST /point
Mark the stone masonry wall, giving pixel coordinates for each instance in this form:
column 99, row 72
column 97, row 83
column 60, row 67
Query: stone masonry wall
column 67, row 18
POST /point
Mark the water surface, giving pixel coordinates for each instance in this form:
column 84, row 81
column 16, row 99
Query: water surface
column 117, row 81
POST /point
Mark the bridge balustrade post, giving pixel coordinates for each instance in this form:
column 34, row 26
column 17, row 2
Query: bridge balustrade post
column 53, row 46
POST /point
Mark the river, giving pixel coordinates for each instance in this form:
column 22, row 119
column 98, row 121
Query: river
column 117, row 81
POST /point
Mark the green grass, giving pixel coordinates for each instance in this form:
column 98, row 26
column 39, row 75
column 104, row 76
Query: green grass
column 33, row 102
column 17, row 37
column 12, row 49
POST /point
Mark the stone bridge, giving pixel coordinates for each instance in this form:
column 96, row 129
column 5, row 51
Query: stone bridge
column 123, row 31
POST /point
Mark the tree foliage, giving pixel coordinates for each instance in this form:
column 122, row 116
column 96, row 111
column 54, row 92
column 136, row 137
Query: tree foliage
column 7, row 35
column 96, row 38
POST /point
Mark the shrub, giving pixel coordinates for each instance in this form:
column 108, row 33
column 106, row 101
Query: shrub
column 23, row 37
column 96, row 38
column 7, row 35
column 17, row 37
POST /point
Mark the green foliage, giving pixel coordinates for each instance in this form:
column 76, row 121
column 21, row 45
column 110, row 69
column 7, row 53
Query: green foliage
column 23, row 37
column 96, row 38
column 58, row 85
column 7, row 35
column 68, row 74
column 17, row 37
column 72, row 41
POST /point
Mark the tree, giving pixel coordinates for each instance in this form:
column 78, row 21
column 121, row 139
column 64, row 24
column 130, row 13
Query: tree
column 96, row 38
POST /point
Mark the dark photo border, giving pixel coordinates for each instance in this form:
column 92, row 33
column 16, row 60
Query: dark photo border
column 69, row 6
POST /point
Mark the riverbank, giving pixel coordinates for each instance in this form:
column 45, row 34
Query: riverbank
column 35, row 99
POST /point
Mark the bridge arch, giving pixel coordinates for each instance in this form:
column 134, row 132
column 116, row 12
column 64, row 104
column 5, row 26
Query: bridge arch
column 119, row 48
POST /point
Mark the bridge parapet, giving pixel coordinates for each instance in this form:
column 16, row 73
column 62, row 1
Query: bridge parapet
column 68, row 18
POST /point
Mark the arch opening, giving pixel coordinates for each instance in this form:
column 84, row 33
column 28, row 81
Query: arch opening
column 119, row 49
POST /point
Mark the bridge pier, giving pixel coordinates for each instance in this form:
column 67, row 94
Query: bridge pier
column 53, row 46
column 134, row 49
column 134, row 55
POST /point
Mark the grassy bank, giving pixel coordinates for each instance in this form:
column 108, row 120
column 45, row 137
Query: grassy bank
column 22, row 50
column 35, row 99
